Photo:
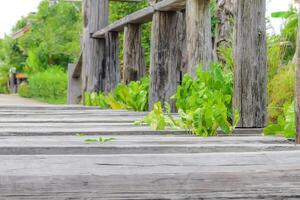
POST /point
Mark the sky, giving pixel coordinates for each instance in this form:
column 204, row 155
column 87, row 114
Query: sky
column 12, row 10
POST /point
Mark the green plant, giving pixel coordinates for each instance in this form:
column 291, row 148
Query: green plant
column 131, row 97
column 4, row 75
column 23, row 90
column 280, row 91
column 285, row 125
column 204, row 104
column 100, row 140
column 49, row 85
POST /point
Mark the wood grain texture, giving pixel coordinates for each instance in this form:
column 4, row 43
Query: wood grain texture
column 297, row 89
column 76, row 73
column 74, row 86
column 225, row 25
column 111, row 72
column 250, row 71
column 264, row 175
column 141, row 16
column 93, row 58
column 165, row 60
column 198, row 35
column 133, row 54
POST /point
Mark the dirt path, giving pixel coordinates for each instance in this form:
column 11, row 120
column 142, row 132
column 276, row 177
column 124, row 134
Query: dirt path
column 17, row 100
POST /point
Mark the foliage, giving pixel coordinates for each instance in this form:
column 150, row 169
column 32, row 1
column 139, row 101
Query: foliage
column 280, row 91
column 4, row 73
column 285, row 125
column 204, row 104
column 49, row 85
column 121, row 9
column 288, row 32
column 23, row 90
column 131, row 97
column 20, row 24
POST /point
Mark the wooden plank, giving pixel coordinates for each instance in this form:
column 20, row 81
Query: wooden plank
column 131, row 144
column 138, row 17
column 268, row 175
column 250, row 71
column 141, row 16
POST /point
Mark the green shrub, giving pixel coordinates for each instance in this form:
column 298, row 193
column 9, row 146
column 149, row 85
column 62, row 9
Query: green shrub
column 4, row 79
column 204, row 104
column 49, row 85
column 23, row 90
column 133, row 96
column 280, row 91
column 285, row 125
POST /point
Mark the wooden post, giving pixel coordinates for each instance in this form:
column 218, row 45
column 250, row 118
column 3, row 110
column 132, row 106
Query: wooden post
column 199, row 37
column 224, row 29
column 250, row 71
column 133, row 53
column 165, row 60
column 111, row 73
column 297, row 86
column 74, row 86
column 95, row 18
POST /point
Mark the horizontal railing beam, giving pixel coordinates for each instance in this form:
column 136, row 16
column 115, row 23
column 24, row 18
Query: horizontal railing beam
column 141, row 16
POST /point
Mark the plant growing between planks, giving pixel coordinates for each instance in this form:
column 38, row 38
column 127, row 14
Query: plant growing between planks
column 204, row 104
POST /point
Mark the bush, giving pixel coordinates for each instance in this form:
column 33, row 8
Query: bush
column 285, row 125
column 280, row 91
column 23, row 90
column 204, row 104
column 3, row 79
column 49, row 85
column 131, row 97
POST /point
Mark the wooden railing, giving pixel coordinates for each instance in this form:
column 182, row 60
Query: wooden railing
column 181, row 39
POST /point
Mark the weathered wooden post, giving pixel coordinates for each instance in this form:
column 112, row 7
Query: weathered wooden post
column 111, row 73
column 74, row 85
column 198, row 34
column 95, row 18
column 165, row 62
column 250, row 71
column 224, row 29
column 133, row 53
column 297, row 86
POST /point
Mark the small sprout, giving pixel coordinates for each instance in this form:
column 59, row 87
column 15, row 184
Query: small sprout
column 100, row 140
column 80, row 134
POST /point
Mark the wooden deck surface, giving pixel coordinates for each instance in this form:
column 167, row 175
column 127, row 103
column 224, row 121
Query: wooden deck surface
column 43, row 157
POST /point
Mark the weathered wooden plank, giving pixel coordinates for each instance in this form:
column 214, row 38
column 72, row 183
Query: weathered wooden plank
column 165, row 60
column 141, row 16
column 148, row 144
column 225, row 176
column 93, row 58
column 250, row 71
column 138, row 17
column 133, row 54
column 198, row 35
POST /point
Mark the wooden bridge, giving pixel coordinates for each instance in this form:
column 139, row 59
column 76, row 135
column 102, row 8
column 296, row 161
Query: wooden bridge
column 76, row 152
column 45, row 156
